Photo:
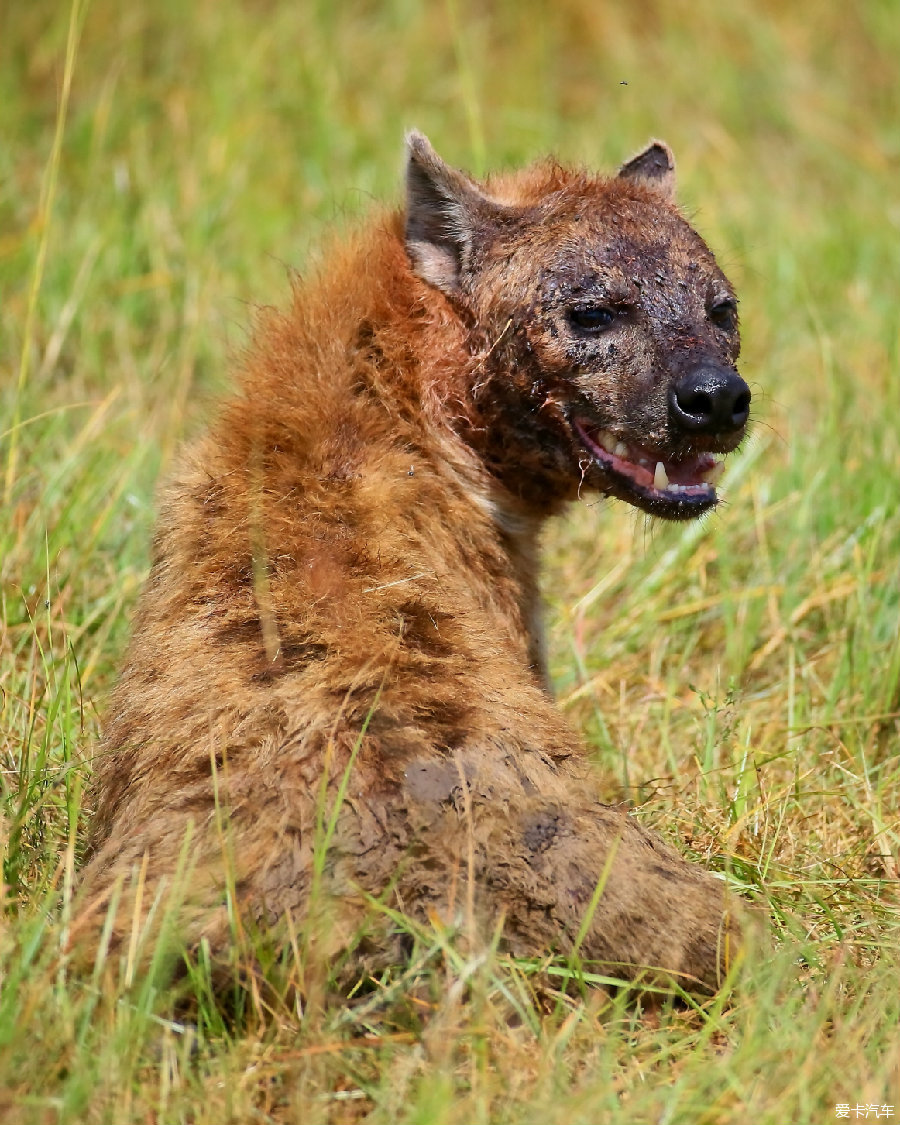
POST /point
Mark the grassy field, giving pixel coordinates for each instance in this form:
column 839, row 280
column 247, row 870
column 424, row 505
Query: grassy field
column 163, row 167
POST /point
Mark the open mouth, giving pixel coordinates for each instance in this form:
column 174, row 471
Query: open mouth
column 675, row 489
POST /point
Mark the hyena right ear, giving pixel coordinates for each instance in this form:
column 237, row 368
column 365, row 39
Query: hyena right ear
column 444, row 208
column 654, row 168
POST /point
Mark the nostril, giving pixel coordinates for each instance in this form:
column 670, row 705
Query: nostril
column 696, row 404
column 741, row 408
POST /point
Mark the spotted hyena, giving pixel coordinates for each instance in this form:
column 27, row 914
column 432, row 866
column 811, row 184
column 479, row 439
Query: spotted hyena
column 338, row 650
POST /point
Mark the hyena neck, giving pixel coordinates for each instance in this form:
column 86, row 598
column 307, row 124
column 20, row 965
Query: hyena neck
column 401, row 377
column 523, row 549
column 510, row 545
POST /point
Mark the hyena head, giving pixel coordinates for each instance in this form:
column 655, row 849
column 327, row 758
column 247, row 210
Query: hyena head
column 604, row 332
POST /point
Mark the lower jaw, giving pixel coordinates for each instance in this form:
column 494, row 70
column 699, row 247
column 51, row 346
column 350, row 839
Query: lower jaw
column 662, row 503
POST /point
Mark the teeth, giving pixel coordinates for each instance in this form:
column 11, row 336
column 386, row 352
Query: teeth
column 620, row 450
column 607, row 441
column 660, row 477
column 714, row 475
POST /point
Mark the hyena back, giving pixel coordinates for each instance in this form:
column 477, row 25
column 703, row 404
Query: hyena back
column 343, row 608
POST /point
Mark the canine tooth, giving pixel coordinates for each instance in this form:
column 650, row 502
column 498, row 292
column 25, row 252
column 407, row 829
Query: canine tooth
column 660, row 477
column 714, row 474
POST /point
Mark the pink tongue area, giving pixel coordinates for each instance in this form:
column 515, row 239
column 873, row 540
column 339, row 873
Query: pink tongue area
column 639, row 464
column 688, row 472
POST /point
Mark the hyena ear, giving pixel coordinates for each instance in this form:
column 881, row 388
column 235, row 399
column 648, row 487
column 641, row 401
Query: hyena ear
column 444, row 208
column 654, row 168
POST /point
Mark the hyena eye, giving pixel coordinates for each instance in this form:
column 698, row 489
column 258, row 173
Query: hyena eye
column 591, row 318
column 723, row 314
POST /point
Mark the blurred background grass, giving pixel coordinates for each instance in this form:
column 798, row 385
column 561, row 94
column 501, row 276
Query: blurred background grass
column 738, row 678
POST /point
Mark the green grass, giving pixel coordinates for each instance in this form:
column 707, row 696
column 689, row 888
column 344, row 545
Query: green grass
column 739, row 678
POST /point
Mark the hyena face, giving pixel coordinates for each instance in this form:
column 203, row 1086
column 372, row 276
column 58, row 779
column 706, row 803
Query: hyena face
column 607, row 333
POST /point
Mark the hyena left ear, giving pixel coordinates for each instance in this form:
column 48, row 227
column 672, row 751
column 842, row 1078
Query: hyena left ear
column 444, row 209
column 654, row 168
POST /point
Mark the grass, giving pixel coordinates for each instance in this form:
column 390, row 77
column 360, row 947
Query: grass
column 740, row 678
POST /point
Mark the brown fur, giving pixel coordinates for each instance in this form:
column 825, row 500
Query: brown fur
column 344, row 586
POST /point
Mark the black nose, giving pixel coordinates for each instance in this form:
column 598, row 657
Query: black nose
column 710, row 400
